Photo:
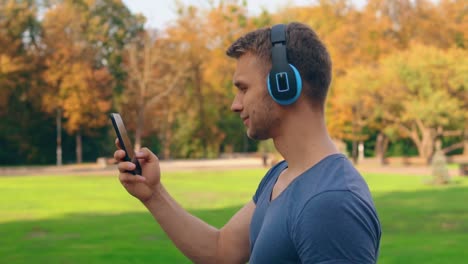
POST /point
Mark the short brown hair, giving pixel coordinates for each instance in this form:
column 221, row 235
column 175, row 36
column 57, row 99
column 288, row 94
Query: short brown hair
column 304, row 50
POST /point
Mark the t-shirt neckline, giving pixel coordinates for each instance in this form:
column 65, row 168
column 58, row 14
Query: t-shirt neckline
column 284, row 165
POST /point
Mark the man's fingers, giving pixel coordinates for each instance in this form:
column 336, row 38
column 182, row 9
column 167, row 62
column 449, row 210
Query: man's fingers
column 125, row 176
column 146, row 154
column 117, row 143
column 129, row 178
column 119, row 155
column 125, row 166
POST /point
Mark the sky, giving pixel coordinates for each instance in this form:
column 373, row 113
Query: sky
column 161, row 12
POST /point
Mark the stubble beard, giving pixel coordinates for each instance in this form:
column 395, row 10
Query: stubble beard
column 263, row 120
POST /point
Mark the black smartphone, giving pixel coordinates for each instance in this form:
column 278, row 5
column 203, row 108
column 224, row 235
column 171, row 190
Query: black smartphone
column 125, row 142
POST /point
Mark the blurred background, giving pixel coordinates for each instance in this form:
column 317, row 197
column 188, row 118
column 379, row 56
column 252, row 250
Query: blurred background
column 399, row 76
column 397, row 107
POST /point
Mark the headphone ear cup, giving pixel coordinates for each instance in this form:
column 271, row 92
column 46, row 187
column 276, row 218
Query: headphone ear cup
column 284, row 85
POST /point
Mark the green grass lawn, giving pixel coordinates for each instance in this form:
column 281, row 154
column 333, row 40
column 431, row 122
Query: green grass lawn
column 91, row 219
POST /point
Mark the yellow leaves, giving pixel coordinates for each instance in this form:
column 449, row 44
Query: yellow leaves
column 77, row 85
column 9, row 64
column 422, row 84
column 84, row 97
column 82, row 92
column 433, row 82
column 353, row 102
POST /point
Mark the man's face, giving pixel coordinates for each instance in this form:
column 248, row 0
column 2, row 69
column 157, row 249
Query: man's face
column 255, row 106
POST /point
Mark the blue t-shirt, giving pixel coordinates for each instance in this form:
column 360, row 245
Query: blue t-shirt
column 325, row 215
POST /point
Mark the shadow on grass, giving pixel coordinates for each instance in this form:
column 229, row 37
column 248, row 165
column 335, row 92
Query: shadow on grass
column 96, row 238
column 429, row 226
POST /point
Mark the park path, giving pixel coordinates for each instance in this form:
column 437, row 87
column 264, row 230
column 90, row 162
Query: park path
column 184, row 165
column 166, row 165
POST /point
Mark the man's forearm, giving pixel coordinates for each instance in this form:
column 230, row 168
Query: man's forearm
column 195, row 238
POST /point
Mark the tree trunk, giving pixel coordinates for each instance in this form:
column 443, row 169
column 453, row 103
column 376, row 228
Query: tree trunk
column 361, row 151
column 201, row 110
column 354, row 152
column 465, row 142
column 139, row 127
column 425, row 142
column 429, row 138
column 381, row 148
column 59, row 137
column 168, row 137
column 79, row 148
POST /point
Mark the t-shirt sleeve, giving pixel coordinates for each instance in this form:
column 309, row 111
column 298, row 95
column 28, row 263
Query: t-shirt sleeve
column 336, row 227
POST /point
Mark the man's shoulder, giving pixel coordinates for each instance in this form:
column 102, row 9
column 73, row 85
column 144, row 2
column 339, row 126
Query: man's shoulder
column 336, row 176
column 333, row 173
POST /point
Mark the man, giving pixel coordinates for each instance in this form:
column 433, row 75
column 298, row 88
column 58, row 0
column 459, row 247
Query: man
column 313, row 207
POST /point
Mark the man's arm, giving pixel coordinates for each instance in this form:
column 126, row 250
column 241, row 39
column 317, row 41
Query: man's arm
column 199, row 241
column 234, row 236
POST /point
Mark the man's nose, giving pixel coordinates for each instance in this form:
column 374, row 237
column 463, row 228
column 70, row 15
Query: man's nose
column 237, row 105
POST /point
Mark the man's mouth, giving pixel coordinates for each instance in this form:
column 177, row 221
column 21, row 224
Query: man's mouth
column 245, row 120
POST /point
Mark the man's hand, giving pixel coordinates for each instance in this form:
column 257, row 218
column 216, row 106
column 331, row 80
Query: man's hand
column 143, row 186
column 198, row 240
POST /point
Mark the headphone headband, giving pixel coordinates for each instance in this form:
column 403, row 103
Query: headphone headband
column 278, row 34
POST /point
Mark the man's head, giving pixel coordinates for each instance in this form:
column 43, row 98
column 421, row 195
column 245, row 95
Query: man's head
column 304, row 50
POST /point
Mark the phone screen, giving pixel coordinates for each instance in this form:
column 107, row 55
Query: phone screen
column 124, row 141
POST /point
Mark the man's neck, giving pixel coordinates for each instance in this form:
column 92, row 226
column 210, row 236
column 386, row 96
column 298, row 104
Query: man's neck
column 303, row 141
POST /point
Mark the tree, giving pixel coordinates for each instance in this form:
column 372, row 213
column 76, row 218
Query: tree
column 453, row 13
column 24, row 129
column 79, row 83
column 355, row 106
column 155, row 73
column 197, row 133
column 225, row 23
column 425, row 94
column 111, row 27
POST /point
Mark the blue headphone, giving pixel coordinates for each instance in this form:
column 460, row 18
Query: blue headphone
column 284, row 81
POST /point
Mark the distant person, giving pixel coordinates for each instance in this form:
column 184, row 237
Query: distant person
column 313, row 207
